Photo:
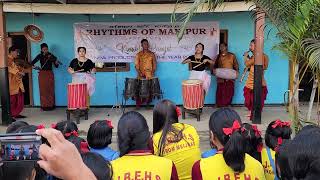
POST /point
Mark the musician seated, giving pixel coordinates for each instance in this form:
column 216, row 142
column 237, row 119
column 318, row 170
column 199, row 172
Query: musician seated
column 146, row 65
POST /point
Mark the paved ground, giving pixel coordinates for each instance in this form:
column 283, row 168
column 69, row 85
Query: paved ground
column 36, row 116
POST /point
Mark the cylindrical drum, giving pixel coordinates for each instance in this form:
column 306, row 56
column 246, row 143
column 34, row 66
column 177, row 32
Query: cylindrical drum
column 77, row 96
column 144, row 88
column 193, row 96
column 131, row 88
column 226, row 73
column 155, row 88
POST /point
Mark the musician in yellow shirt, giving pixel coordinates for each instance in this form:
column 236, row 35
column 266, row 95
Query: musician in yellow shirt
column 248, row 89
column 136, row 160
column 176, row 141
column 231, row 162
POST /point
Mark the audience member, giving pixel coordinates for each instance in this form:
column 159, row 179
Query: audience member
column 136, row 160
column 99, row 138
column 176, row 141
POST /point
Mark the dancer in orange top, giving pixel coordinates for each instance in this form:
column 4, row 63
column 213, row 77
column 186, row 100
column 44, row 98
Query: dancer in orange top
column 248, row 89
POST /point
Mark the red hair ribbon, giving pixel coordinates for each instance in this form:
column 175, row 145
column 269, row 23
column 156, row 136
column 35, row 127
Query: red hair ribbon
column 109, row 123
column 178, row 111
column 280, row 140
column 41, row 126
column 260, row 147
column 279, row 123
column 84, row 147
column 256, row 130
column 74, row 133
column 53, row 126
column 228, row 131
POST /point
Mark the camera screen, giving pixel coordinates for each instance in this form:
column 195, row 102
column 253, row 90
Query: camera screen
column 20, row 148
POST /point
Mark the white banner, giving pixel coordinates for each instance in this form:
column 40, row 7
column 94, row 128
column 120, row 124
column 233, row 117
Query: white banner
column 120, row 42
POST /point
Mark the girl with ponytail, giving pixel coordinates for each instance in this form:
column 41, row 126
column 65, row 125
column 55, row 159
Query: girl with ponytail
column 176, row 141
column 231, row 161
column 253, row 140
column 136, row 160
column 277, row 132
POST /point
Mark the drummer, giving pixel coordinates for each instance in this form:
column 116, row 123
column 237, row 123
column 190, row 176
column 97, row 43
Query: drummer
column 199, row 63
column 82, row 65
column 146, row 65
column 225, row 87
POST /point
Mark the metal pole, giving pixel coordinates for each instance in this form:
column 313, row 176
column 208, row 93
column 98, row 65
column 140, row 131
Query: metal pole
column 4, row 81
column 258, row 66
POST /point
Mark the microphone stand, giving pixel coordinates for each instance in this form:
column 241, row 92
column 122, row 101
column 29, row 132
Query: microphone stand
column 117, row 105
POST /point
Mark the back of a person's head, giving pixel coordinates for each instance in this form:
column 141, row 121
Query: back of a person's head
column 276, row 132
column 305, row 158
column 253, row 140
column 80, row 143
column 66, row 127
column 100, row 167
column 225, row 124
column 22, row 170
column 164, row 115
column 16, row 125
column 27, row 129
column 100, row 134
column 133, row 133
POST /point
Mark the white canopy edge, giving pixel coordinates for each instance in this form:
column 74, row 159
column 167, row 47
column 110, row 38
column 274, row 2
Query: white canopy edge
column 117, row 8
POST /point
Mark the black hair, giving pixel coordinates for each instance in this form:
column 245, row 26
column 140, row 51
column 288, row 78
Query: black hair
column 15, row 125
column 26, row 129
column 144, row 40
column 100, row 167
column 225, row 44
column 301, row 156
column 234, row 147
column 80, row 143
column 133, row 133
column 78, row 50
column 18, row 170
column 253, row 140
column 66, row 127
column 272, row 135
column 201, row 45
column 44, row 45
column 164, row 116
column 99, row 135
column 13, row 48
column 253, row 41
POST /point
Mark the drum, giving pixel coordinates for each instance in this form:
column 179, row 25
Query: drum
column 155, row 88
column 77, row 96
column 193, row 96
column 87, row 78
column 144, row 88
column 131, row 88
column 226, row 73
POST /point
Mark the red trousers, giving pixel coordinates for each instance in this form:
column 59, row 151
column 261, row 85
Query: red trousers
column 16, row 104
column 248, row 97
column 225, row 92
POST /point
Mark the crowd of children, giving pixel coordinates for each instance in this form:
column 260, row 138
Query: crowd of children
column 172, row 151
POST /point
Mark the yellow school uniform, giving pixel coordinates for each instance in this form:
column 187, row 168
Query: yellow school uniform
column 141, row 166
column 268, row 170
column 216, row 168
column 183, row 153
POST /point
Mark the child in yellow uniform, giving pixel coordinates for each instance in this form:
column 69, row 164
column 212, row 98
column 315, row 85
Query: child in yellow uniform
column 231, row 162
column 276, row 132
column 136, row 160
column 176, row 141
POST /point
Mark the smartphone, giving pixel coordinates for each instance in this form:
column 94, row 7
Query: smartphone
column 19, row 147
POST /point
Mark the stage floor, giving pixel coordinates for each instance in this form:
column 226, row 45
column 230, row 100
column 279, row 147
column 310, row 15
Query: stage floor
column 35, row 116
